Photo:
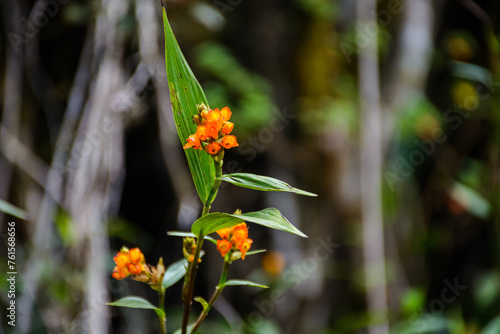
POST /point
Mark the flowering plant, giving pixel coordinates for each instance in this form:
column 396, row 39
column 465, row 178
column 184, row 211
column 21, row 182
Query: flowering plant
column 205, row 134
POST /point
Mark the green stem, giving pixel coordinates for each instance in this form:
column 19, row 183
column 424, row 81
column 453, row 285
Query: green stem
column 216, row 295
column 163, row 319
column 193, row 267
column 215, row 188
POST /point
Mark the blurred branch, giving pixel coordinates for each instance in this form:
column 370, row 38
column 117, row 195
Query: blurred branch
column 371, row 172
column 408, row 74
column 12, row 90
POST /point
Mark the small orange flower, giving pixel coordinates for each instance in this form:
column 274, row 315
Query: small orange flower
column 226, row 114
column 224, row 246
column 245, row 247
column 227, row 128
column 119, row 273
column 121, row 259
column 193, row 141
column 239, row 235
column 213, row 148
column 212, row 130
column 134, row 269
column 213, row 115
column 202, row 132
column 229, row 141
column 136, row 255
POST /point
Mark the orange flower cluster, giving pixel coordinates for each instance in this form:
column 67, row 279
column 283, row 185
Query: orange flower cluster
column 213, row 132
column 235, row 238
column 128, row 262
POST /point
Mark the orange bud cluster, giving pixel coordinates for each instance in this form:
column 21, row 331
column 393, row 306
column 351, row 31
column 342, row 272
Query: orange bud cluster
column 234, row 238
column 189, row 248
column 128, row 262
column 213, row 132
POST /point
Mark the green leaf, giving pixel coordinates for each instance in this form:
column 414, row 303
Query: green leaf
column 12, row 210
column 263, row 183
column 257, row 251
column 269, row 217
column 189, row 234
column 185, row 94
column 233, row 282
column 492, row 327
column 137, row 302
column 174, row 273
column 203, row 302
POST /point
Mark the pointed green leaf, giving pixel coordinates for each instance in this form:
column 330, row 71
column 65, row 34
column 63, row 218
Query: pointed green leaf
column 189, row 234
column 12, row 210
column 263, row 183
column 203, row 302
column 174, row 273
column 233, row 282
column 136, row 302
column 257, row 251
column 269, row 217
column 185, row 94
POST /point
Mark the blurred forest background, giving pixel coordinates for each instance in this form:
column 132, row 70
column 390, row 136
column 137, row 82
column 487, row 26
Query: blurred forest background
column 388, row 110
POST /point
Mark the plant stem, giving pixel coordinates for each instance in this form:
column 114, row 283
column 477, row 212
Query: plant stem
column 217, row 293
column 199, row 242
column 215, row 187
column 163, row 319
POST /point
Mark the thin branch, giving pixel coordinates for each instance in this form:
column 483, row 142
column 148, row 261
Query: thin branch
column 371, row 171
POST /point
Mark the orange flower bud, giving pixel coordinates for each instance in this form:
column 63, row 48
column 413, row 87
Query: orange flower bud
column 225, row 113
column 119, row 273
column 204, row 114
column 212, row 129
column 136, row 255
column 121, row 259
column 229, row 141
column 134, row 269
column 239, row 236
column 227, row 128
column 224, row 233
column 212, row 148
column 245, row 247
column 239, row 226
column 224, row 246
column 201, row 132
column 214, row 115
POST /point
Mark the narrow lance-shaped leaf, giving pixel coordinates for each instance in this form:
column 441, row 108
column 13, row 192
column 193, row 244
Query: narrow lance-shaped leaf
column 270, row 217
column 12, row 210
column 174, row 273
column 263, row 183
column 185, row 94
column 137, row 302
column 189, row 234
column 234, row 282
